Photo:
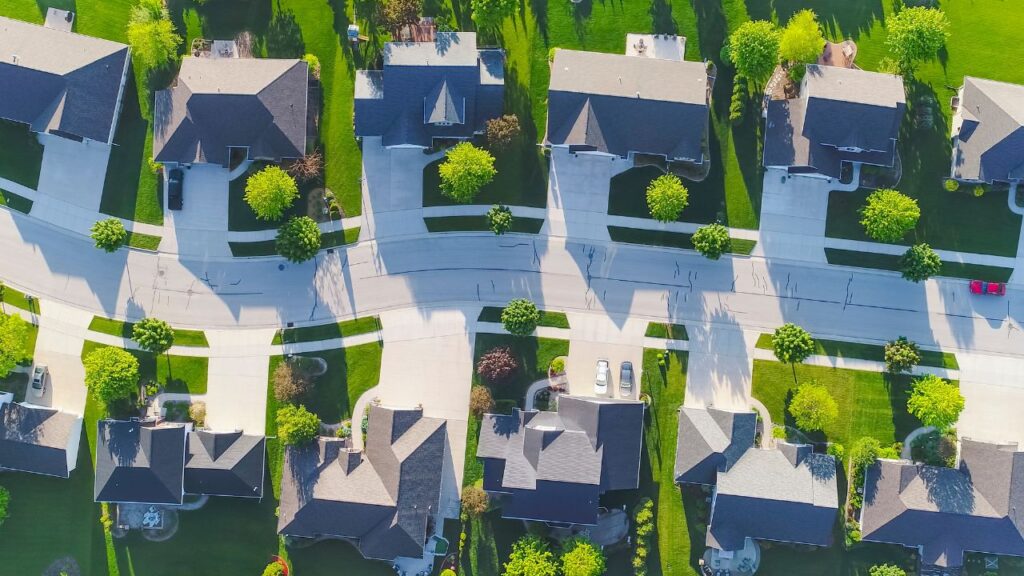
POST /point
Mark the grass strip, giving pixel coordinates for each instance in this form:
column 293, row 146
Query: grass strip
column 480, row 224
column 873, row 352
column 892, row 262
column 667, row 331
column 671, row 239
column 182, row 337
column 269, row 247
column 547, row 319
column 15, row 202
column 19, row 299
column 327, row 331
column 143, row 241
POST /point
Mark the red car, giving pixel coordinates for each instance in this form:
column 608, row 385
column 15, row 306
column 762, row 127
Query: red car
column 989, row 288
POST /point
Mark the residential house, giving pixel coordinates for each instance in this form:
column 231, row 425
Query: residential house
column 643, row 102
column 225, row 464
column 988, row 132
column 945, row 512
column 442, row 90
column 385, row 500
column 61, row 83
column 554, row 466
column 37, row 439
column 711, row 441
column 226, row 110
column 842, row 116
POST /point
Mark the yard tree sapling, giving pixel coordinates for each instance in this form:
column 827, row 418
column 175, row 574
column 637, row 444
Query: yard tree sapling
column 520, row 317
column 270, row 192
column 111, row 374
column 889, row 215
column 109, row 234
column 667, row 197
column 812, row 407
column 935, row 402
column 464, row 171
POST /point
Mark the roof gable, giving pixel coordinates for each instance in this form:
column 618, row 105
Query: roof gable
column 139, row 462
column 36, row 439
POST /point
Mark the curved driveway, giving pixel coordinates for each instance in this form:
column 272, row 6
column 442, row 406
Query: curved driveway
column 445, row 269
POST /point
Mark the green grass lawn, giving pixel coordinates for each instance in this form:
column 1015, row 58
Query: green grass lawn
column 479, row 224
column 327, row 331
column 548, row 319
column 181, row 374
column 15, row 202
column 21, row 156
column 668, row 331
column 131, row 189
column 876, row 353
column 671, row 239
column 122, row 329
column 892, row 262
column 241, row 218
column 269, row 247
column 522, row 180
column 18, row 299
column 143, row 241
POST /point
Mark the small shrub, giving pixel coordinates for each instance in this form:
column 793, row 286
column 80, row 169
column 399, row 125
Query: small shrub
column 887, row 570
column 5, row 500
column 344, row 430
column 935, row 449
column 499, row 219
column 950, row 185
column 197, row 413
column 447, row 572
column 558, row 365
column 502, row 132
column 314, row 65
column 480, row 401
column 979, row 191
column 474, row 501
column 274, row 569
column 520, row 317
column 292, row 382
column 836, row 450
column 551, row 54
column 779, row 432
column 498, row 365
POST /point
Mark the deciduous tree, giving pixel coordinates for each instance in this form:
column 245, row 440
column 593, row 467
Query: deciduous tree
column 901, row 355
column 916, row 34
column 400, row 13
column 801, row 40
column 498, row 365
column 489, row 14
column 292, row 382
column 531, row 556
column 520, row 317
column 151, row 34
column 153, row 335
column 889, row 215
column 14, row 334
column 480, row 400
column 499, row 218
column 580, row 557
column 474, row 501
column 296, row 425
column 792, row 344
column 298, row 239
column 712, row 240
column 109, row 234
column 887, row 570
column 920, row 263
column 666, row 197
column 465, row 171
column 502, row 132
column 270, row 192
column 111, row 374
column 754, row 50
column 935, row 402
column 812, row 407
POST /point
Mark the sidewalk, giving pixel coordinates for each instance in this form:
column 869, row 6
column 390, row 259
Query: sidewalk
column 898, row 250
column 859, row 364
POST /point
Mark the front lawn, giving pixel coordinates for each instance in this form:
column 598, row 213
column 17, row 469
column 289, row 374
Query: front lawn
column 132, row 190
column 671, row 239
column 241, row 218
column 873, row 352
column 892, row 262
column 21, row 156
column 328, row 240
column 480, row 224
column 522, row 180
column 123, row 329
column 668, row 331
column 179, row 374
column 350, row 372
column 548, row 319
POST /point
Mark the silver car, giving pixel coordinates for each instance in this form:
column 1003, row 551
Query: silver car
column 626, row 379
column 601, row 382
column 39, row 374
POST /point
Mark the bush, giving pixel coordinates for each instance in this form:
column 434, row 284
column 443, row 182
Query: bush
column 551, row 54
column 474, row 501
column 950, row 185
column 530, row 557
column 935, row 449
column 779, row 432
column 852, row 533
column 111, row 374
column 558, row 365
column 979, row 191
column 920, row 263
column 448, row 572
column 738, row 104
column 274, row 569
column 153, row 335
column 580, row 557
column 497, row 366
column 314, row 65
column 296, row 425
column 901, row 355
column 14, row 348
column 813, row 407
column 889, row 215
column 270, row 192
column 480, row 401
column 151, row 34
column 712, row 241
column 292, row 382
column 499, row 219
column 197, row 413
column 520, row 317
column 465, row 170
column 667, row 197
column 5, row 500
column 309, row 167
column 502, row 132
column 298, row 239
column 887, row 570
column 792, row 344
column 836, row 450
column 109, row 234
column 344, row 429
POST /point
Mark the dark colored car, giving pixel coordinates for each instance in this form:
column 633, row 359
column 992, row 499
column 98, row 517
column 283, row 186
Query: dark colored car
column 174, row 185
column 988, row 288
column 626, row 379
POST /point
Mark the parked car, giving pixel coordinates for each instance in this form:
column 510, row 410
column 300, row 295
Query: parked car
column 988, row 288
column 39, row 374
column 174, row 189
column 601, row 383
column 626, row 379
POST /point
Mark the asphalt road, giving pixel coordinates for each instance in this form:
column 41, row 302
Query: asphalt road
column 445, row 269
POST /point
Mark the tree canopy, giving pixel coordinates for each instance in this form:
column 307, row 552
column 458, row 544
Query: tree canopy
column 474, row 500
column 398, row 13
column 298, row 239
column 801, row 40
column 153, row 335
column 270, row 192
column 920, row 263
column 712, row 240
column 889, row 215
column 109, row 234
column 916, row 34
column 531, row 556
column 580, row 557
column 502, row 132
column 5, row 500
column 887, row 570
column 151, row 34
column 792, row 344
column 901, row 355
column 935, row 402
column 489, row 14
column 754, row 50
column 111, row 374
column 296, row 425
column 465, row 170
column 520, row 317
column 812, row 407
column 666, row 197
column 14, row 334
column 499, row 219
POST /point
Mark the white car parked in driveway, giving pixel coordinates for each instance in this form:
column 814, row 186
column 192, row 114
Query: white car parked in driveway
column 39, row 374
column 601, row 383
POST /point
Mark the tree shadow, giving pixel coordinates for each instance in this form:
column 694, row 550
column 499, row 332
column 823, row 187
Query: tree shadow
column 899, row 387
column 284, row 36
column 581, row 12
column 225, row 20
column 540, row 16
column 662, row 19
column 839, row 18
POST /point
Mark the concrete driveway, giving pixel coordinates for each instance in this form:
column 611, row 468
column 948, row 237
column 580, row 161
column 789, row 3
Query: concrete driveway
column 73, row 172
column 594, row 337
column 578, row 193
column 393, row 190
column 200, row 228
column 993, row 391
column 59, row 346
column 720, row 368
column 236, row 394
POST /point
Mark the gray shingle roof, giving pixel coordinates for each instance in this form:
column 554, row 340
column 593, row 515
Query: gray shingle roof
column 139, row 462
column 710, row 441
column 36, row 439
column 990, row 143
column 788, row 494
column 837, row 108
column 60, row 82
column 225, row 464
column 425, row 85
column 620, row 104
column 948, row 511
column 217, row 103
column 553, row 466
column 381, row 499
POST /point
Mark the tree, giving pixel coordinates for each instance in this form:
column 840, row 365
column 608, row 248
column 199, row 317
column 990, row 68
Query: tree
column 499, row 218
column 480, row 400
column 712, row 240
column 920, row 263
column 935, row 402
column 400, row 13
column 14, row 335
column 520, row 317
column 887, row 570
column 738, row 103
column 489, row 14
column 109, row 234
column 296, row 425
column 666, row 197
column 474, row 501
column 5, row 500
column 901, row 355
column 792, row 344
column 270, row 192
column 274, row 569
column 498, row 365
column 465, row 170
column 801, row 40
column 889, row 215
column 754, row 50
column 580, row 557
column 298, row 239
column 111, row 374
column 916, row 34
column 292, row 382
column 314, row 64
column 502, row 132
column 153, row 335
column 151, row 34
column 530, row 557
column 813, row 407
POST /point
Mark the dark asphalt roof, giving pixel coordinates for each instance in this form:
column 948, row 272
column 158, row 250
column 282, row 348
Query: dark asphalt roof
column 217, row 103
column 709, row 441
column 381, row 499
column 36, row 439
column 554, row 465
column 620, row 104
column 225, row 464
column 990, row 144
column 139, row 462
column 948, row 511
column 427, row 83
column 60, row 82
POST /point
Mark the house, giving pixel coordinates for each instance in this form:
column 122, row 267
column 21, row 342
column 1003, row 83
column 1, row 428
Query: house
column 443, row 90
column 146, row 462
column 786, row 494
column 988, row 132
column 621, row 105
column 554, row 466
column 225, row 110
column 842, row 116
column 61, row 83
column 945, row 512
column 38, row 440
column 383, row 500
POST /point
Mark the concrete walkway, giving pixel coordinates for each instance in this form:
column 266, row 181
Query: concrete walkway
column 358, row 409
column 767, row 427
